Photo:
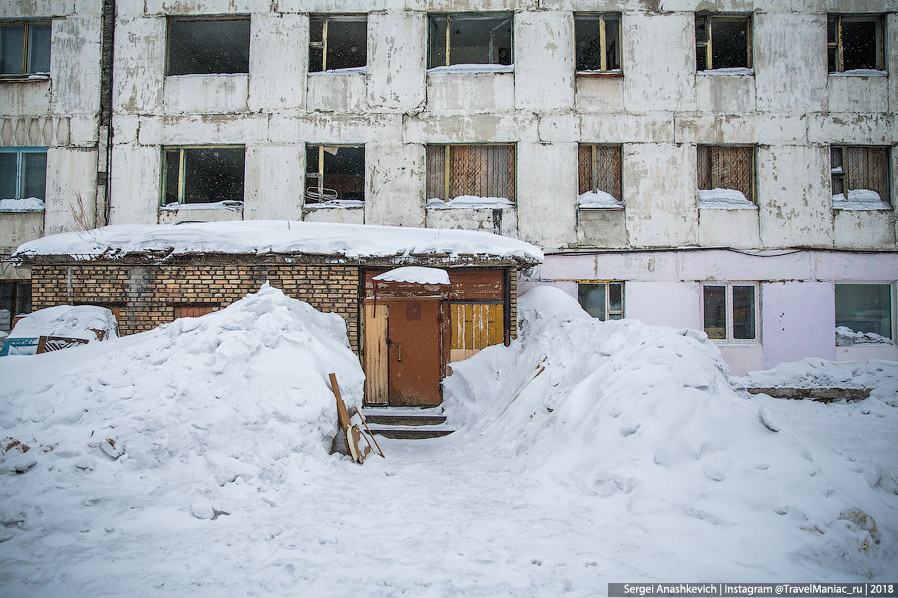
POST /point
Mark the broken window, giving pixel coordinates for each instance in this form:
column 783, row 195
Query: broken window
column 208, row 46
column 25, row 48
column 23, row 173
column 726, row 175
column 865, row 308
column 730, row 311
column 599, row 176
column 202, row 174
column 460, row 38
column 854, row 42
column 471, row 171
column 15, row 299
column 597, row 39
column 722, row 42
column 335, row 174
column 602, row 300
column 337, row 42
column 860, row 176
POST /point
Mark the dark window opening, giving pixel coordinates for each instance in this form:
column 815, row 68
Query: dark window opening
column 203, row 174
column 469, row 39
column 471, row 170
column 860, row 173
column 722, row 42
column 208, row 47
column 337, row 42
column 865, row 308
column 597, row 39
column 854, row 42
column 25, row 48
column 15, row 299
column 335, row 173
column 23, row 173
column 602, row 300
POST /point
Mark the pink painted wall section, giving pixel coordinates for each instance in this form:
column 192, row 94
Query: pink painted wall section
column 864, row 353
column 664, row 303
column 798, row 321
column 743, row 358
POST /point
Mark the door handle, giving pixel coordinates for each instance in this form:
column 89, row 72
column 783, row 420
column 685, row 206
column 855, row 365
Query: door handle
column 398, row 351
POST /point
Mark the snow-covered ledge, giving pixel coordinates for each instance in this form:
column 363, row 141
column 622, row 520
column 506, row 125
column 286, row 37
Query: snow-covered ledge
column 202, row 212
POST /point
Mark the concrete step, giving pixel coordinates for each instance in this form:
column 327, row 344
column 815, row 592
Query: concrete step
column 408, row 433
column 404, row 420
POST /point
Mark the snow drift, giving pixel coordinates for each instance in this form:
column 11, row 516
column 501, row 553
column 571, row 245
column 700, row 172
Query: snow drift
column 644, row 418
column 69, row 321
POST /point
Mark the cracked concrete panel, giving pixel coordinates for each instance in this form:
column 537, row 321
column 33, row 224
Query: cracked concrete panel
column 857, row 94
column 25, row 97
column 474, row 128
column 206, row 7
column 275, row 176
column 741, row 128
column 730, row 94
column 658, row 60
column 396, row 54
column 336, row 129
column 499, row 221
column 470, row 92
column 547, row 194
column 17, row 228
column 135, row 184
column 75, row 65
column 139, row 65
column 394, row 184
column 71, row 190
column 660, row 180
column 599, row 94
column 278, row 61
column 657, row 127
column 202, row 129
column 790, row 61
column 336, row 92
column 858, row 129
column 559, row 128
column 29, row 9
column 544, row 60
column 795, row 196
column 206, row 94
column 864, row 229
column 602, row 228
column 729, row 228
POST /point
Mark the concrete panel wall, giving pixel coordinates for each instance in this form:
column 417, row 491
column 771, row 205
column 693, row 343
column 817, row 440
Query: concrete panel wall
column 544, row 60
column 139, row 65
column 790, row 61
column 71, row 190
column 19, row 227
column 394, row 184
column 277, row 84
column 797, row 321
column 135, row 185
column 74, row 64
column 547, row 193
column 275, row 180
column 396, row 60
column 658, row 74
column 206, row 94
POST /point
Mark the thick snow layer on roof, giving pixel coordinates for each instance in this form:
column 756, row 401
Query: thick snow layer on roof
column 29, row 204
column 279, row 236
column 598, row 199
column 70, row 321
column 724, row 199
column 859, row 199
column 415, row 275
column 470, row 201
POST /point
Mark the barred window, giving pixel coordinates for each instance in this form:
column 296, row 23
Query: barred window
column 860, row 177
column 484, row 171
column 599, row 176
column 726, row 171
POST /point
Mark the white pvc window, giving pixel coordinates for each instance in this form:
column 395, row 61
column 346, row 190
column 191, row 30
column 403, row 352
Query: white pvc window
column 730, row 311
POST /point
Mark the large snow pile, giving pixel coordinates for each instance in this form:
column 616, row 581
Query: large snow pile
column 69, row 321
column 189, row 421
column 644, row 418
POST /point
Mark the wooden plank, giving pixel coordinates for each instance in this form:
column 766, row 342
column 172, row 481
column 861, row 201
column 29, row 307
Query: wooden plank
column 584, row 168
column 376, row 357
column 436, row 171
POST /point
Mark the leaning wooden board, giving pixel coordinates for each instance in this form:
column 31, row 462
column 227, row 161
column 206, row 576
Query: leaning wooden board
column 350, row 432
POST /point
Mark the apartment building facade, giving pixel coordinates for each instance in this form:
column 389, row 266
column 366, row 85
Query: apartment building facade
column 724, row 165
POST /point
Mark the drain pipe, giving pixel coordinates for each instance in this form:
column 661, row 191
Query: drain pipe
column 105, row 132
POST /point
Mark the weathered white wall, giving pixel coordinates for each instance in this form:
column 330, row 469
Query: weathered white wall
column 396, row 60
column 547, row 205
column 394, row 184
column 275, row 182
column 278, row 84
column 544, row 60
column 19, row 227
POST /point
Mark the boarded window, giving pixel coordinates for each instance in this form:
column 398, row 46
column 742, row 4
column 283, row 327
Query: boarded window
column 860, row 169
column 854, row 42
column 599, row 169
column 15, row 299
column 722, row 42
column 475, row 326
column 730, row 311
column 474, row 170
column 203, row 174
column 597, row 38
column 335, row 173
column 602, row 300
column 727, row 167
column 25, row 48
column 193, row 310
column 460, row 38
column 337, row 42
column 865, row 308
column 208, row 46
column 23, row 173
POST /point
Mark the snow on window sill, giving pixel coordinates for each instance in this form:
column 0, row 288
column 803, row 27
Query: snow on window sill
column 860, row 200
column 611, row 73
column 742, row 71
column 471, row 68
column 337, row 203
column 355, row 70
column 24, row 78
column 723, row 199
column 598, row 200
column 30, row 204
column 195, row 75
column 846, row 337
column 234, row 206
column 470, row 202
column 860, row 73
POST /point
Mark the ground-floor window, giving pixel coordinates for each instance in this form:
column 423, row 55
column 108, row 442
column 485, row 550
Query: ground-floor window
column 602, row 300
column 865, row 308
column 730, row 311
column 15, row 299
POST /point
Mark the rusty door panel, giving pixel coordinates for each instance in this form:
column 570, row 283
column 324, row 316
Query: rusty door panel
column 413, row 331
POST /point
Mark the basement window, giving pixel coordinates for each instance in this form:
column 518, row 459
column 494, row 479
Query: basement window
column 602, row 300
column 15, row 299
column 730, row 311
column 726, row 177
column 208, row 46
column 860, row 177
column 25, row 48
column 599, row 176
column 23, row 178
column 335, row 175
column 471, row 176
column 864, row 309
column 337, row 42
column 723, row 43
column 461, row 38
column 203, row 175
column 854, row 44
column 597, row 43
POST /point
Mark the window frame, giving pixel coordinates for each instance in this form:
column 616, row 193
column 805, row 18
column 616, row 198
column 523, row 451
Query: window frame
column 19, row 151
column 619, row 175
column 26, row 58
column 729, row 338
column 603, row 70
column 447, row 180
column 753, row 179
column 181, row 176
column 891, row 310
column 447, row 46
column 839, row 44
column 320, row 201
column 203, row 18
column 845, row 175
column 708, row 42
column 326, row 18
column 20, row 296
column 609, row 313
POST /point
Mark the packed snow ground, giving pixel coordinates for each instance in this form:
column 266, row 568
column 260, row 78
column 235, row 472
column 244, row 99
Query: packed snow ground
column 628, row 458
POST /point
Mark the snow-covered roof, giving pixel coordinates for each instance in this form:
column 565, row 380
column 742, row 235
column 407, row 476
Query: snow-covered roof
column 69, row 321
column 342, row 241
column 415, row 275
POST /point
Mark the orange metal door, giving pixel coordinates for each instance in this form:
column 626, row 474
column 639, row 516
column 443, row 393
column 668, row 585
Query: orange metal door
column 413, row 339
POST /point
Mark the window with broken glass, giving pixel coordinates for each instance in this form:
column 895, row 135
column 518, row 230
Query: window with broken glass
column 15, row 299
column 337, row 42
column 597, row 43
column 730, row 311
column 23, row 173
column 599, row 176
column 208, row 46
column 864, row 309
column 722, row 42
column 854, row 43
column 860, row 177
column 471, row 171
column 726, row 175
column 335, row 175
column 460, row 38
column 202, row 174
column 602, row 299
column 24, row 48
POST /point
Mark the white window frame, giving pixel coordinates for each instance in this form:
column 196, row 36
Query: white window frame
column 728, row 295
column 607, row 284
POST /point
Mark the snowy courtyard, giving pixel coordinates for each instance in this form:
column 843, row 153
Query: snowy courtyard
column 193, row 459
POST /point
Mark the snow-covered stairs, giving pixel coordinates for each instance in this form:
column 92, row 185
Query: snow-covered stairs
column 410, row 423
